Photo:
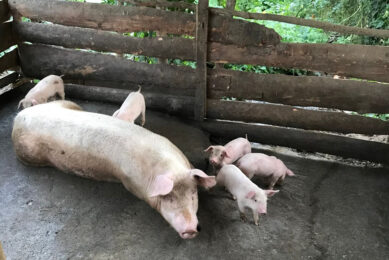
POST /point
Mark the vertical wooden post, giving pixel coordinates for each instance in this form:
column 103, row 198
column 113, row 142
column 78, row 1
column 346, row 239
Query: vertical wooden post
column 201, row 59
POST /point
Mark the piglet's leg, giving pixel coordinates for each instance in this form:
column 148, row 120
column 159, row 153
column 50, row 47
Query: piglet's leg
column 256, row 217
column 241, row 210
column 273, row 182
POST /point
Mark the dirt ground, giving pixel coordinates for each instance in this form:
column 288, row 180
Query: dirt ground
column 329, row 211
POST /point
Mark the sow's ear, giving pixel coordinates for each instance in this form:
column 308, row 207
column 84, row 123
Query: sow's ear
column 162, row 185
column 203, row 179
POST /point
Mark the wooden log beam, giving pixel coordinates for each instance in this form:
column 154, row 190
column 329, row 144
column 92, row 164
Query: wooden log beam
column 201, row 59
column 83, row 38
column 132, row 18
column 9, row 60
column 359, row 61
column 178, row 105
column 4, row 11
column 95, row 66
column 8, row 79
column 352, row 95
column 6, row 36
column 309, row 141
column 289, row 116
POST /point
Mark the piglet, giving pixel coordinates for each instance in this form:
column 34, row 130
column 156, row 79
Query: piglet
column 133, row 106
column 269, row 168
column 48, row 89
column 248, row 195
column 232, row 151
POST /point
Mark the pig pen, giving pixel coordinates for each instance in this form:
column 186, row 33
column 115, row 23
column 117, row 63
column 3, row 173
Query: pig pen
column 329, row 210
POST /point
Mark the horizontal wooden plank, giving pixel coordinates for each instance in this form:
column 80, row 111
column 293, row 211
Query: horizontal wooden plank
column 289, row 116
column 359, row 61
column 309, row 141
column 178, row 105
column 6, row 36
column 83, row 38
column 352, row 95
column 9, row 60
column 8, row 79
column 4, row 11
column 95, row 66
column 132, row 19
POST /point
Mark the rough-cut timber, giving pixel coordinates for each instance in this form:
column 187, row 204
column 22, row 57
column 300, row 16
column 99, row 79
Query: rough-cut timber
column 9, row 60
column 289, row 116
column 132, row 18
column 83, row 38
column 85, row 65
column 4, row 11
column 201, row 59
column 179, row 105
column 6, row 38
column 310, row 141
column 360, row 61
column 8, row 79
column 352, row 95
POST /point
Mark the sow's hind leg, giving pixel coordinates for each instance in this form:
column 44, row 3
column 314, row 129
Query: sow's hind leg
column 28, row 150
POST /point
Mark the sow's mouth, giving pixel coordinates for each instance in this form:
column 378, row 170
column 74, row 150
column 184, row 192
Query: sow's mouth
column 188, row 234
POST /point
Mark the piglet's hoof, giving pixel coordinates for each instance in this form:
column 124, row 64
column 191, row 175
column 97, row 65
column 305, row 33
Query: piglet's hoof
column 243, row 217
column 256, row 223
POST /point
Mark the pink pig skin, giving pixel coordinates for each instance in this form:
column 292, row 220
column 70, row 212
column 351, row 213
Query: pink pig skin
column 132, row 107
column 232, row 151
column 248, row 195
column 269, row 168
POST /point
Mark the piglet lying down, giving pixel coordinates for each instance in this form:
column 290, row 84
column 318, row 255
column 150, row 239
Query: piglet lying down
column 48, row 89
column 247, row 194
column 104, row 148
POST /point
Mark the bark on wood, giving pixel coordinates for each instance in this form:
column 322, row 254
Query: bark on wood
column 130, row 19
column 6, row 38
column 73, row 37
column 201, row 59
column 289, row 116
column 8, row 79
column 179, row 105
column 95, row 66
column 352, row 95
column 162, row 3
column 302, row 139
column 359, row 61
column 9, row 60
column 4, row 11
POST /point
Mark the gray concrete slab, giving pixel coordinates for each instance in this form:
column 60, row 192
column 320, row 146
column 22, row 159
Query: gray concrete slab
column 330, row 211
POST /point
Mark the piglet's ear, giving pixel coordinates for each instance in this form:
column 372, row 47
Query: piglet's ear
column 20, row 103
column 34, row 102
column 270, row 193
column 226, row 154
column 250, row 195
column 203, row 179
column 210, row 148
column 162, row 185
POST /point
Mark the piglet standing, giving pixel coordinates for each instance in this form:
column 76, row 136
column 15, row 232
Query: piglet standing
column 48, row 89
column 232, row 151
column 269, row 168
column 248, row 195
column 133, row 106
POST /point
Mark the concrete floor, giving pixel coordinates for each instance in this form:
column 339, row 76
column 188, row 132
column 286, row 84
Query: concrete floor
column 330, row 211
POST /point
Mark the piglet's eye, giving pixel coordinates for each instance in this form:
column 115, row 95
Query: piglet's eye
column 255, row 200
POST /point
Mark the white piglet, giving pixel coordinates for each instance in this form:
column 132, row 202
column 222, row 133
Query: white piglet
column 133, row 106
column 232, row 151
column 48, row 89
column 248, row 195
column 270, row 169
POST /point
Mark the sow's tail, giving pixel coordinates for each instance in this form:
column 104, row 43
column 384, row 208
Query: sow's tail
column 140, row 88
column 289, row 172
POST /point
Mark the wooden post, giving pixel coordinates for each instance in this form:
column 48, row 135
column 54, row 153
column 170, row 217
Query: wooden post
column 201, row 59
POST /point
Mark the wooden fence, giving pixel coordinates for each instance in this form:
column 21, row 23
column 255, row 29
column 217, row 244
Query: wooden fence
column 206, row 36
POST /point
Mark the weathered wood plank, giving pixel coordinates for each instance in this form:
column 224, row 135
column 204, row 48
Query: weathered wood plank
column 83, row 38
column 6, row 37
column 8, row 79
column 9, row 60
column 309, row 141
column 289, row 116
column 95, row 66
column 132, row 18
column 360, row 61
column 201, row 59
column 352, row 95
column 178, row 105
column 4, row 11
